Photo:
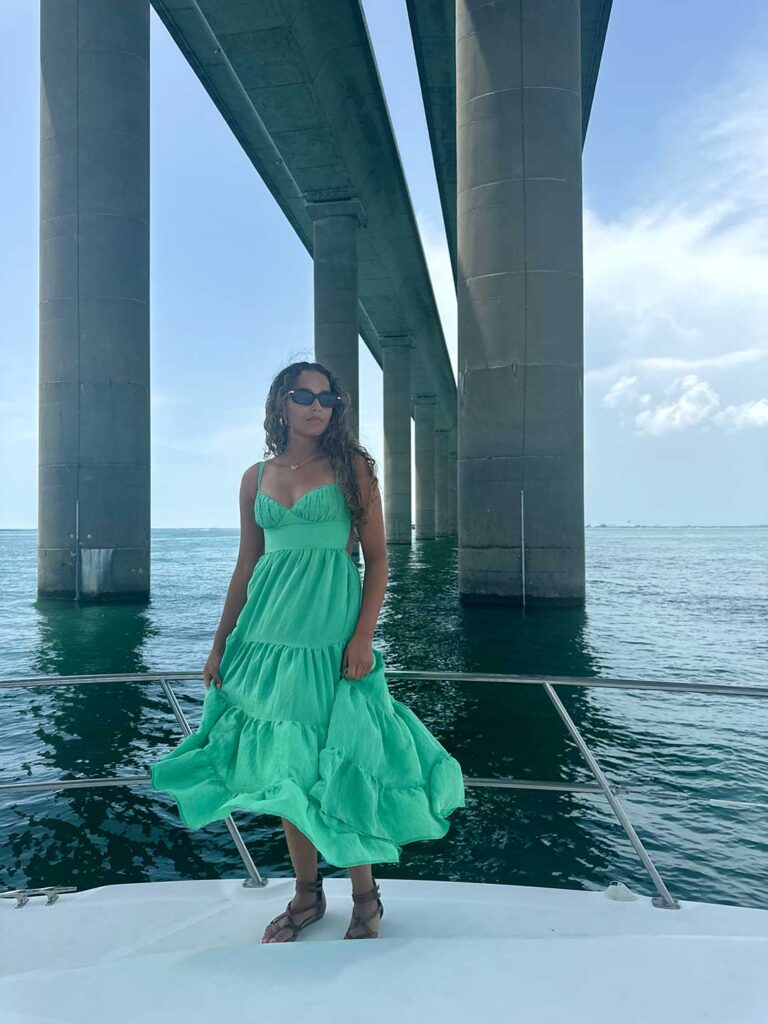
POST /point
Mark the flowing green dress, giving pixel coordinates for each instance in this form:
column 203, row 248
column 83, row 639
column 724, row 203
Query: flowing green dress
column 354, row 769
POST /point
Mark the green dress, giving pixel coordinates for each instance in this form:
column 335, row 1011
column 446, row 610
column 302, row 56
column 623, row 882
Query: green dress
column 354, row 769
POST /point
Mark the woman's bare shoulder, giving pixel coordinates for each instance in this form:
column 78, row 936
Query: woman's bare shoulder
column 249, row 482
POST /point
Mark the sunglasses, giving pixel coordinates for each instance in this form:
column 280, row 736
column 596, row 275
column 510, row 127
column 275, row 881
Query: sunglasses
column 303, row 396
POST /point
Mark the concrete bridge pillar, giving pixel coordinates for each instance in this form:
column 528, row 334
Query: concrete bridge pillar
column 424, row 420
column 94, row 449
column 397, row 437
column 335, row 225
column 452, row 489
column 519, row 285
column 441, row 482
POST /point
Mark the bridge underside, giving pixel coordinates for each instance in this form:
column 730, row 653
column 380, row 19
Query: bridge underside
column 500, row 461
column 433, row 29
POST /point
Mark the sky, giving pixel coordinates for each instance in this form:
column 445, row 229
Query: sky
column 675, row 180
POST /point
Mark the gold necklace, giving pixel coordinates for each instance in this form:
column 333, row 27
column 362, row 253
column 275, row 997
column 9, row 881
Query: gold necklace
column 300, row 464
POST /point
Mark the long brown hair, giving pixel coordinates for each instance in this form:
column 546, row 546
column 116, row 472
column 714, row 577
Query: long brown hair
column 337, row 441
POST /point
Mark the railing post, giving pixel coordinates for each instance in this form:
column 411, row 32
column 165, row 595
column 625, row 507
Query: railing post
column 665, row 899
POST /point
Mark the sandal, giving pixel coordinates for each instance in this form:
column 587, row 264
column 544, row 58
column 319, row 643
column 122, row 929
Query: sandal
column 287, row 920
column 359, row 922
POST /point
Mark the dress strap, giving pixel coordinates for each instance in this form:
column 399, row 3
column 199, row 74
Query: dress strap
column 258, row 478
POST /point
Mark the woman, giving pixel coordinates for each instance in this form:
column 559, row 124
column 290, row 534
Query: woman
column 300, row 722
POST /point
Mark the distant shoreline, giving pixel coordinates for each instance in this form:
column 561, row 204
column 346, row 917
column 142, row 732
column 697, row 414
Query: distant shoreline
column 677, row 526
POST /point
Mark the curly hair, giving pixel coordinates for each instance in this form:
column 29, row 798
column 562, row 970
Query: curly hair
column 337, row 441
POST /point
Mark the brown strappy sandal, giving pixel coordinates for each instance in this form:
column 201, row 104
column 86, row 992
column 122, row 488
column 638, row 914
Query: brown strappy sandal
column 287, row 920
column 359, row 922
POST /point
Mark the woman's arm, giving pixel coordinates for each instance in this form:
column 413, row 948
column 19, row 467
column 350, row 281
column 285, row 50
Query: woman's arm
column 374, row 544
column 251, row 550
column 357, row 659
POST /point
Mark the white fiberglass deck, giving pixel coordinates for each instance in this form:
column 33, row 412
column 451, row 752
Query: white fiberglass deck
column 448, row 952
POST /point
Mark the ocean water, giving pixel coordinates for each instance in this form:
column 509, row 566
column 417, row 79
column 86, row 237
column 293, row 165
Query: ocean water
column 662, row 603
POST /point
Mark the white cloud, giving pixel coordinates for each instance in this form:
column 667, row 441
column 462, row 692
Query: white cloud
column 697, row 404
column 623, row 387
column 678, row 364
column 675, row 288
column 749, row 414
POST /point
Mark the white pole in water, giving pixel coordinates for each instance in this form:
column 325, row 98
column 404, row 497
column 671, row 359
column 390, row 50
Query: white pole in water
column 522, row 541
column 77, row 549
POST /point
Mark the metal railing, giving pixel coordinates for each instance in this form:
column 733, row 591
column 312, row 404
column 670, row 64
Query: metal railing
column 663, row 899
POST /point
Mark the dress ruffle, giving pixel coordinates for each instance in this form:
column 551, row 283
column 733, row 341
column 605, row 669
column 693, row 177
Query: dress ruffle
column 372, row 781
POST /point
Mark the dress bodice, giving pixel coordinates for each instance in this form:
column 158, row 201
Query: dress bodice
column 320, row 518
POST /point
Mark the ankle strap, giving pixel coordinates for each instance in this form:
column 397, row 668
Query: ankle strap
column 310, row 886
column 363, row 897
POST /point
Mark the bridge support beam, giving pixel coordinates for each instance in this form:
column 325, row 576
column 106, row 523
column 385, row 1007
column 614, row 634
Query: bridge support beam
column 424, row 435
column 335, row 225
column 94, row 449
column 452, row 488
column 520, row 301
column 442, row 469
column 397, row 437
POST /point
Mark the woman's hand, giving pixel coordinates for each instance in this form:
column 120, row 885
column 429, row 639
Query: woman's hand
column 357, row 660
column 211, row 670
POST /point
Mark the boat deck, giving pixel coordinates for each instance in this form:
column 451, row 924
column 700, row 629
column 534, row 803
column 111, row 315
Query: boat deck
column 448, row 952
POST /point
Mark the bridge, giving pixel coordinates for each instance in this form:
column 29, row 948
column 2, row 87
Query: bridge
column 507, row 87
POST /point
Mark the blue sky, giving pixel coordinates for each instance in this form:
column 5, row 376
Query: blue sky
column 675, row 267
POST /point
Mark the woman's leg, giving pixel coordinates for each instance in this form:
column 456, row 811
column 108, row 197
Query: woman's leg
column 303, row 853
column 304, row 859
column 362, row 881
column 362, row 877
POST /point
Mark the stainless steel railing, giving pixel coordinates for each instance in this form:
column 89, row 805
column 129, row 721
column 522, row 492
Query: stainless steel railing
column 663, row 899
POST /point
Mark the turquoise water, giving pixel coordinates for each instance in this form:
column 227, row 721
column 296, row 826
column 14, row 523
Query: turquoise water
column 687, row 603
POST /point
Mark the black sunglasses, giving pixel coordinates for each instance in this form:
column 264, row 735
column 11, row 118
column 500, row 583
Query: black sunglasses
column 303, row 396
